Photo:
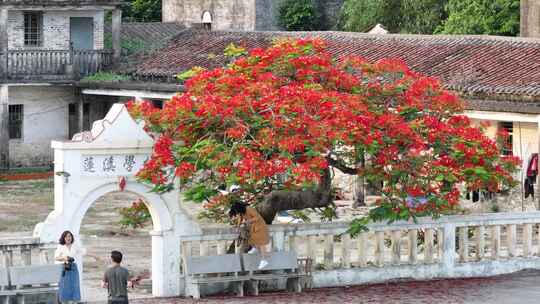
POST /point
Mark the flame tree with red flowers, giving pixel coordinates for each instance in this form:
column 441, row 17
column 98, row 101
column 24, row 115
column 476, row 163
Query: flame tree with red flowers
column 276, row 122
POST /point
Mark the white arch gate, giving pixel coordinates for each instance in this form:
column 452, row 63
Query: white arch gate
column 105, row 160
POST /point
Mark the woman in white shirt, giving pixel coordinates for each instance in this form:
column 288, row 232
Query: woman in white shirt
column 69, row 253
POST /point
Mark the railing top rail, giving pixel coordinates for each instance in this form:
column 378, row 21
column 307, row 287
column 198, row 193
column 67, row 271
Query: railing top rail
column 57, row 51
column 230, row 233
column 24, row 242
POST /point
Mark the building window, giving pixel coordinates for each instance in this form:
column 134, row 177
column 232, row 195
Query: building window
column 158, row 103
column 15, row 121
column 33, row 28
column 507, row 148
column 207, row 20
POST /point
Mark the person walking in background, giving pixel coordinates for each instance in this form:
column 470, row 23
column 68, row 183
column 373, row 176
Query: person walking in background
column 116, row 280
column 69, row 253
column 258, row 230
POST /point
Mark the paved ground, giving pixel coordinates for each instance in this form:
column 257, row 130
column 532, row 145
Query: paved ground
column 518, row 288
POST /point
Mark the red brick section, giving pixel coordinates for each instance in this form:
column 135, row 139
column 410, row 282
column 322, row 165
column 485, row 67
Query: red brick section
column 470, row 64
column 26, row 176
column 476, row 290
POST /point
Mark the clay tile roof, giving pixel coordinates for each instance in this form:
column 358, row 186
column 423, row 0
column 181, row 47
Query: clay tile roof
column 147, row 32
column 474, row 65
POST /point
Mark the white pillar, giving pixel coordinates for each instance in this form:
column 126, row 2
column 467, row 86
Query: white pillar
column 4, row 127
column 116, row 34
column 165, row 264
column 449, row 248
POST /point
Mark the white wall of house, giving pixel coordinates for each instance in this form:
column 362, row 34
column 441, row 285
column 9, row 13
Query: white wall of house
column 45, row 118
column 524, row 138
column 56, row 29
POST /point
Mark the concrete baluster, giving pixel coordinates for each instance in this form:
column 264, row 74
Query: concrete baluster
column 495, row 242
column 463, row 244
column 527, row 239
column 345, row 251
column 511, row 237
column 379, row 248
column 480, row 242
column 329, row 250
column 428, row 246
column 413, row 246
column 362, row 249
column 396, row 247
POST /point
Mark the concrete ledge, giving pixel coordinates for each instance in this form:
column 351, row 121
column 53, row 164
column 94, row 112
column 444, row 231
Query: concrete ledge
column 371, row 275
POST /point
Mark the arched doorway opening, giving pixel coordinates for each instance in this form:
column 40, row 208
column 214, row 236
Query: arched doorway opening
column 102, row 231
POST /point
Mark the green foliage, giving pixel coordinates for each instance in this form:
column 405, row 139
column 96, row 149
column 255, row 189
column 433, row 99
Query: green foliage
column 362, row 15
column 106, row 76
column 422, row 16
column 487, row 17
column 403, row 16
column 142, row 11
column 189, row 73
column 129, row 46
column 299, row 15
column 136, row 216
column 234, row 51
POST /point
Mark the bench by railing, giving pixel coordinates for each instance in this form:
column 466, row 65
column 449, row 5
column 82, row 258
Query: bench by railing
column 453, row 246
column 52, row 64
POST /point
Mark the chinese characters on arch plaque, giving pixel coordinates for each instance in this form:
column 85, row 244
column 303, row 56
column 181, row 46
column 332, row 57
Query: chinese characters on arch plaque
column 112, row 164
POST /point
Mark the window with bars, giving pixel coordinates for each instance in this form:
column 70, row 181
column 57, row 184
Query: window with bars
column 507, row 148
column 33, row 28
column 15, row 121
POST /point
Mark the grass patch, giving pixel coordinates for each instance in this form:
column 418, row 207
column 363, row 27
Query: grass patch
column 42, row 184
column 106, row 76
column 26, row 170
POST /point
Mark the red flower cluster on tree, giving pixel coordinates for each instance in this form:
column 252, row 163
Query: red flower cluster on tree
column 278, row 117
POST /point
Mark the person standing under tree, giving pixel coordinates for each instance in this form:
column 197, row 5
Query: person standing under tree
column 258, row 230
column 116, row 280
column 69, row 253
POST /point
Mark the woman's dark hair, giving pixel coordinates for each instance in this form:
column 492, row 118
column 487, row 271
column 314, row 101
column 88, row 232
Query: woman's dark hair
column 237, row 208
column 62, row 240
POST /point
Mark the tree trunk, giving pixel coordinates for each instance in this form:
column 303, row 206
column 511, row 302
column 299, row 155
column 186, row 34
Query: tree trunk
column 281, row 200
column 359, row 186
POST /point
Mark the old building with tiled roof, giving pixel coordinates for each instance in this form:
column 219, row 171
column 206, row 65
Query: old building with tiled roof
column 484, row 66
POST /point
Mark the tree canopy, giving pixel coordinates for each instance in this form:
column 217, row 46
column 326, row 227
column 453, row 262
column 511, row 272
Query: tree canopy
column 404, row 16
column 487, row 17
column 299, row 15
column 142, row 11
column 276, row 121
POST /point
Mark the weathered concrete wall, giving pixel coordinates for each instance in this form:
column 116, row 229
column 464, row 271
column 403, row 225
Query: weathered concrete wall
column 261, row 15
column 56, row 29
column 45, row 115
column 226, row 14
column 530, row 18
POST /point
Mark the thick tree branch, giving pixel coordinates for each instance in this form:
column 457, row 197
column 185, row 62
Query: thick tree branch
column 341, row 166
column 281, row 200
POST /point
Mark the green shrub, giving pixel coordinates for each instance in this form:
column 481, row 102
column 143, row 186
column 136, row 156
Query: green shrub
column 299, row 15
column 106, row 76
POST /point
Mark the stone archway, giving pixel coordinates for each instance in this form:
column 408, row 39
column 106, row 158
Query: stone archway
column 105, row 160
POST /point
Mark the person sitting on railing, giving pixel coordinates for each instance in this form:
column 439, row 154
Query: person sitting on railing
column 258, row 230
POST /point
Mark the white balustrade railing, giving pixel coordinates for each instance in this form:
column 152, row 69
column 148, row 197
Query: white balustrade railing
column 452, row 246
column 25, row 251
